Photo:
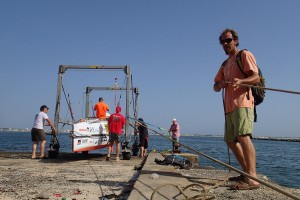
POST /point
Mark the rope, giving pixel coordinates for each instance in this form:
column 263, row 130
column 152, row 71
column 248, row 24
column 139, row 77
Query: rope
column 228, row 154
column 265, row 88
column 204, row 195
column 69, row 104
column 232, row 168
column 160, row 128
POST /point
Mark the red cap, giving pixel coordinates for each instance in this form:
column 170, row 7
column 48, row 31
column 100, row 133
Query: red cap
column 118, row 109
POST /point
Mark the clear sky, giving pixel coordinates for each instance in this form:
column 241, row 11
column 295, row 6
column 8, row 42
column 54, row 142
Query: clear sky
column 173, row 50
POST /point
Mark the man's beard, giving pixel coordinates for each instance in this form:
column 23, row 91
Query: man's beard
column 226, row 51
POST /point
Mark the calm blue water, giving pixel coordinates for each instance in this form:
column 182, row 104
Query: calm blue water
column 278, row 160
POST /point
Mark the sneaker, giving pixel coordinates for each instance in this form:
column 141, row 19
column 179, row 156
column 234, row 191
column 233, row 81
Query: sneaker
column 107, row 158
column 117, row 159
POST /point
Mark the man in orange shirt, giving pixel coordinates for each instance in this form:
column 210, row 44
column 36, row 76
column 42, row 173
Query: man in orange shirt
column 239, row 106
column 101, row 109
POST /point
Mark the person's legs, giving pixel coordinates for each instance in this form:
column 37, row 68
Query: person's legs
column 109, row 148
column 110, row 145
column 249, row 156
column 173, row 144
column 233, row 127
column 145, row 147
column 35, row 138
column 142, row 146
column 238, row 154
column 42, row 148
column 241, row 145
column 176, row 144
column 118, row 148
column 141, row 151
column 34, row 145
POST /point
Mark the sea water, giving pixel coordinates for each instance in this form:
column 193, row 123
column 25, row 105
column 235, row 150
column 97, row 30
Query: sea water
column 278, row 160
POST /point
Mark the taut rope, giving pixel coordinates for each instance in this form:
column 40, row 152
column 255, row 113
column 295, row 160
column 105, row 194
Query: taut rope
column 266, row 88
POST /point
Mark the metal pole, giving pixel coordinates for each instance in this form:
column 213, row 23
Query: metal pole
column 136, row 91
column 128, row 83
column 57, row 106
column 87, row 102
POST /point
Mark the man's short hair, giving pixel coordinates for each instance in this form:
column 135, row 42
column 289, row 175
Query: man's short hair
column 100, row 99
column 233, row 33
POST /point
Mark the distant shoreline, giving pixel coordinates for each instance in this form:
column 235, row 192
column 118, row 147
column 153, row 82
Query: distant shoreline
column 285, row 139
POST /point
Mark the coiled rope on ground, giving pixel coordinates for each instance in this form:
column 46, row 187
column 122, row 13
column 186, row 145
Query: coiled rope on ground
column 202, row 196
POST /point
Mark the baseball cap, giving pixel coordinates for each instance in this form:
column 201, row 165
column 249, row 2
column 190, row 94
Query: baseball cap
column 43, row 107
column 174, row 119
column 118, row 109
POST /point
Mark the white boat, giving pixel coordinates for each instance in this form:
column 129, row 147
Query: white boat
column 89, row 134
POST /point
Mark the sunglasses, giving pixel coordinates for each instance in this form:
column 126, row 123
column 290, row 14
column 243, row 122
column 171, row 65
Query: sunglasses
column 227, row 40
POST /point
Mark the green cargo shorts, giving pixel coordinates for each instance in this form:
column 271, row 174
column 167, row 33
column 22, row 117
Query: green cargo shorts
column 238, row 122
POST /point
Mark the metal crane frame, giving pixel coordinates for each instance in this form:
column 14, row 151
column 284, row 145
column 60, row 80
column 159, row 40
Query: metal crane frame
column 64, row 68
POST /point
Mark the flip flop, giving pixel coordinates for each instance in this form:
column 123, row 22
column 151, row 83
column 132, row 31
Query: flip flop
column 238, row 178
column 42, row 157
column 244, row 186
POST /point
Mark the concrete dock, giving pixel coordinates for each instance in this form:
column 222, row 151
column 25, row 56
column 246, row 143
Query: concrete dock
column 153, row 176
column 166, row 182
column 90, row 177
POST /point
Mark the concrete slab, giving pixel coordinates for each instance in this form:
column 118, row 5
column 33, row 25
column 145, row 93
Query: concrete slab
column 158, row 181
column 166, row 182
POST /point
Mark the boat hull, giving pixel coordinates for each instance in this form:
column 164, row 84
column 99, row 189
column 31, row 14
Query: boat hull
column 89, row 134
column 89, row 143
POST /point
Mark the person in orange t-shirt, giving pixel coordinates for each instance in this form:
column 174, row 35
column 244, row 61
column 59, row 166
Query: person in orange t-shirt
column 101, row 109
column 239, row 106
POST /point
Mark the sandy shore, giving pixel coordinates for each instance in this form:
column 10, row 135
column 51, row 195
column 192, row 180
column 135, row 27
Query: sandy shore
column 73, row 176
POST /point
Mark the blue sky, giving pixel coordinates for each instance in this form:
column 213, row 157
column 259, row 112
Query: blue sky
column 171, row 46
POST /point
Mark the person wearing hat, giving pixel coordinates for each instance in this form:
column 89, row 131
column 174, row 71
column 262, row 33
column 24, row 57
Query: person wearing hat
column 175, row 129
column 37, row 131
column 101, row 109
column 143, row 136
column 116, row 123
